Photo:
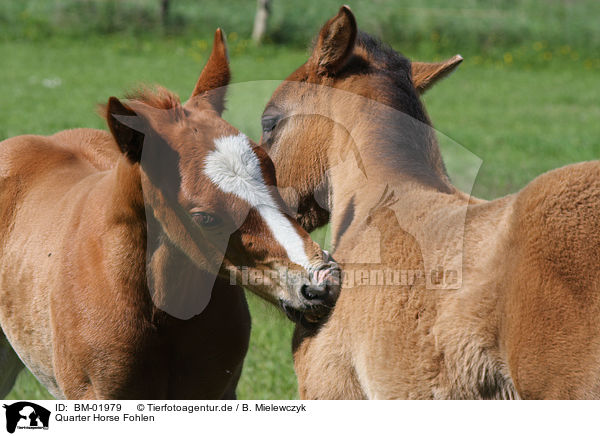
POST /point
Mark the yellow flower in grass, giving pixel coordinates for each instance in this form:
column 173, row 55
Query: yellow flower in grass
column 537, row 46
column 508, row 58
column 547, row 55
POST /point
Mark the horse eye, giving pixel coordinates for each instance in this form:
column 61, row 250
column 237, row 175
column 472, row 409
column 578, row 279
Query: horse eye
column 269, row 123
column 205, row 219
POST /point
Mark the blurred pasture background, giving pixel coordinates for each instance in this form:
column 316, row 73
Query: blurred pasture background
column 525, row 100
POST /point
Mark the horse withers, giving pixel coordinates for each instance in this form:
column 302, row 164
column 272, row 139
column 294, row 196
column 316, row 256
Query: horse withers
column 349, row 133
column 121, row 253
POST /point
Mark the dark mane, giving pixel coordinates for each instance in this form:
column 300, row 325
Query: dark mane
column 380, row 57
column 381, row 53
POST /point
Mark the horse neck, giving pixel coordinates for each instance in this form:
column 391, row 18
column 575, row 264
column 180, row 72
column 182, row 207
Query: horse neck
column 382, row 147
column 379, row 184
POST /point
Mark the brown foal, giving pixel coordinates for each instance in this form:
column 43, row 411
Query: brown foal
column 121, row 252
column 348, row 132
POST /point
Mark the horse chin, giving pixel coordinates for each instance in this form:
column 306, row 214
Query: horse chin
column 311, row 318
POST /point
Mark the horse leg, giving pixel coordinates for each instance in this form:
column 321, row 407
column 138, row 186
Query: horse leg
column 10, row 366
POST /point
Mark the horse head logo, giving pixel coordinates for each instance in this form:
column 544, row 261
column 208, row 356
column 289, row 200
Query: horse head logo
column 29, row 415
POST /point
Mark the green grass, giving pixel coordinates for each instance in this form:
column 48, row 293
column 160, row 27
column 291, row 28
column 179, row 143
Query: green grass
column 477, row 26
column 520, row 121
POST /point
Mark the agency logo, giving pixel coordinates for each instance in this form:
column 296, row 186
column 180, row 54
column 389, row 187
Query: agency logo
column 26, row 415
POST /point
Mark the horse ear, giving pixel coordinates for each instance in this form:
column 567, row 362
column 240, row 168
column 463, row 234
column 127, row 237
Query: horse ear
column 425, row 75
column 121, row 121
column 216, row 74
column 335, row 42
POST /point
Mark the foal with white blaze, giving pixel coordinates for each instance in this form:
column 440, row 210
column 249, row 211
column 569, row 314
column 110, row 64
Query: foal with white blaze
column 121, row 287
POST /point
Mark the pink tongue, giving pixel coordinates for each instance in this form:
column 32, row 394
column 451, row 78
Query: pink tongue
column 320, row 275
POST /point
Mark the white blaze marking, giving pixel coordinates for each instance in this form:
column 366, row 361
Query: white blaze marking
column 234, row 168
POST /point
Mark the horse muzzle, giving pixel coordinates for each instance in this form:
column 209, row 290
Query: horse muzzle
column 317, row 294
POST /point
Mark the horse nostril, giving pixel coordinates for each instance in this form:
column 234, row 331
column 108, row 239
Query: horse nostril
column 314, row 292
